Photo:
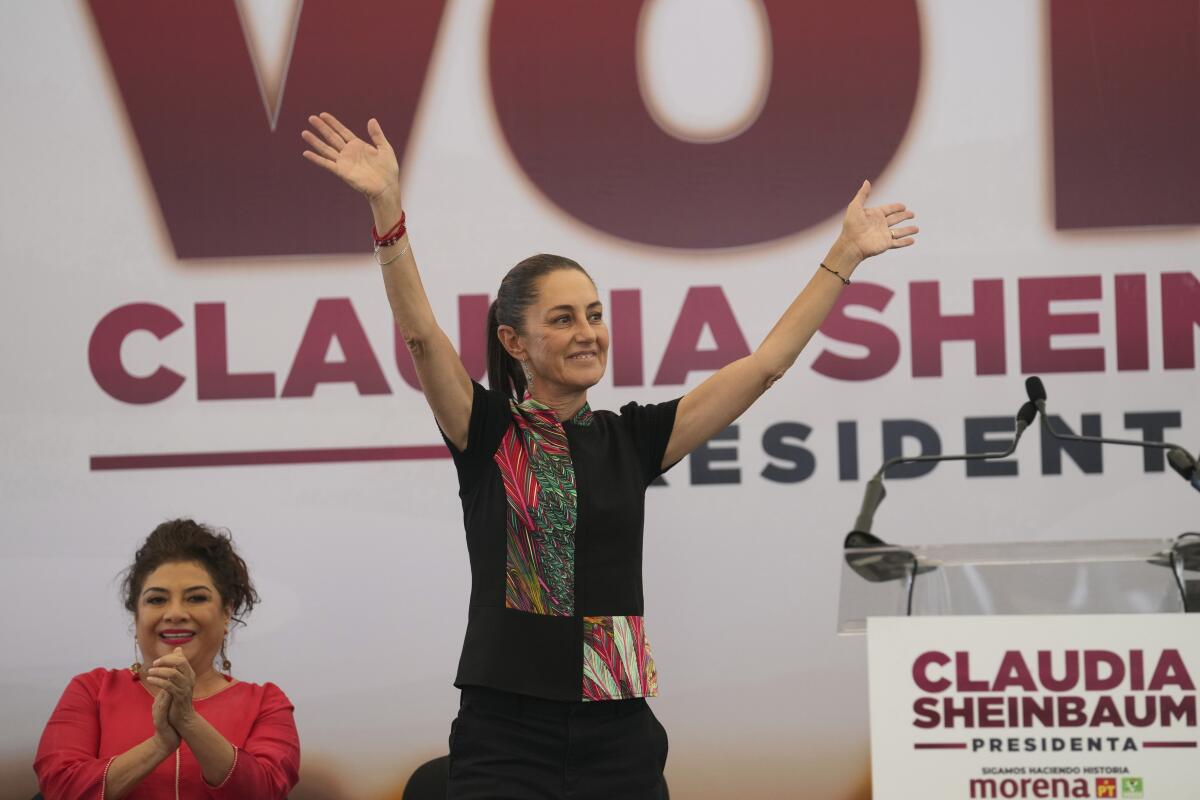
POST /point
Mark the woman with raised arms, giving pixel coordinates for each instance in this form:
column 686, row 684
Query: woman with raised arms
column 556, row 663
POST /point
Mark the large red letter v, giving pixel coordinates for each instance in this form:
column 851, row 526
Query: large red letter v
column 228, row 184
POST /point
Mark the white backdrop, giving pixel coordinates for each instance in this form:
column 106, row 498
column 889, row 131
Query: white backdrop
column 362, row 566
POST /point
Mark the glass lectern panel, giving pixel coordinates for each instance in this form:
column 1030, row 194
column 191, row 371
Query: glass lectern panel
column 1150, row 576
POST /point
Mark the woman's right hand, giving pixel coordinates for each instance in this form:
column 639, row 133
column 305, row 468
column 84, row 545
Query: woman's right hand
column 167, row 736
column 368, row 168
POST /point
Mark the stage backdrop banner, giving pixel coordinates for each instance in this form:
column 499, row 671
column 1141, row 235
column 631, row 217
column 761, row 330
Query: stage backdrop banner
column 1039, row 706
column 193, row 325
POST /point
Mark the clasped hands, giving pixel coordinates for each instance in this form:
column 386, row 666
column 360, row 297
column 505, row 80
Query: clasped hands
column 173, row 713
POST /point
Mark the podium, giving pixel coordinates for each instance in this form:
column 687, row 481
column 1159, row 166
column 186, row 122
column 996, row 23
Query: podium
column 1124, row 576
column 1030, row 669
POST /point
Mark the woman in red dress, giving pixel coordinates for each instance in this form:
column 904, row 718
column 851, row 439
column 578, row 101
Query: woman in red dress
column 173, row 726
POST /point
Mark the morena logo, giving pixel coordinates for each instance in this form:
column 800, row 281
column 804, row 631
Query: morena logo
column 985, row 788
column 571, row 111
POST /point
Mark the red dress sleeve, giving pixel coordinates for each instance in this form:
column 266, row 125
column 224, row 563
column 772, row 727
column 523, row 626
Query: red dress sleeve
column 268, row 763
column 68, row 766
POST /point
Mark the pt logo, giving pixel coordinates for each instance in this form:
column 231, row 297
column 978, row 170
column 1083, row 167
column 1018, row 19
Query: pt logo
column 1106, row 787
column 1133, row 788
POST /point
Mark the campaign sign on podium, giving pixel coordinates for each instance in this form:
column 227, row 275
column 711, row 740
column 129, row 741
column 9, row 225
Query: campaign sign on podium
column 1035, row 706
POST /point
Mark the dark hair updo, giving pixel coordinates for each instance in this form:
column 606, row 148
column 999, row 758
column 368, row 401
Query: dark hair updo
column 180, row 540
column 518, row 291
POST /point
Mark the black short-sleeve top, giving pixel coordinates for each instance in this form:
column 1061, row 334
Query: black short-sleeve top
column 553, row 513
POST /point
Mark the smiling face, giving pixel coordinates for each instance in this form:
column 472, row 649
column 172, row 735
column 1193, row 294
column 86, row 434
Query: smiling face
column 565, row 341
column 180, row 607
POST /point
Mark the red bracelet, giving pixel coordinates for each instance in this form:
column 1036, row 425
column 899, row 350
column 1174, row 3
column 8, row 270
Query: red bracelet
column 395, row 234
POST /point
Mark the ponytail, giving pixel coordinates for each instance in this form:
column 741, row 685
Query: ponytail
column 504, row 373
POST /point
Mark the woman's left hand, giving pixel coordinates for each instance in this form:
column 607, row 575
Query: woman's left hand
column 871, row 231
column 173, row 674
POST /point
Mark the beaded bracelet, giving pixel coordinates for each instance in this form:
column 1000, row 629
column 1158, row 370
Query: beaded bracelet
column 389, row 241
column 395, row 234
column 845, row 281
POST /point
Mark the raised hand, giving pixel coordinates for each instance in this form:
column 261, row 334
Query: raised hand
column 367, row 167
column 871, row 231
column 174, row 676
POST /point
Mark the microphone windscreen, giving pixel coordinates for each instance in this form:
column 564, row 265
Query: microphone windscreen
column 1034, row 388
column 1028, row 413
column 1181, row 462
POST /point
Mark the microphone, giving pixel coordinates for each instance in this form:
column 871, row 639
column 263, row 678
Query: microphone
column 899, row 563
column 1036, row 392
column 1185, row 465
column 875, row 491
column 1179, row 459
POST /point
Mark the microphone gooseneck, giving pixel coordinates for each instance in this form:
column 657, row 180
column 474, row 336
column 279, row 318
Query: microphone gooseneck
column 875, row 491
column 1177, row 457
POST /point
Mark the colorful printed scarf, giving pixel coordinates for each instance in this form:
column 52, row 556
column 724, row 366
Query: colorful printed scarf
column 539, row 481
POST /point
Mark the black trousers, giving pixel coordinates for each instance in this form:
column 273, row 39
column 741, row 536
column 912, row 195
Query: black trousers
column 506, row 746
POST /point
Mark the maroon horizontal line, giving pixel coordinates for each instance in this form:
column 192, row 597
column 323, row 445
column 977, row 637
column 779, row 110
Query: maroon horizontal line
column 256, row 458
column 940, row 746
column 1169, row 744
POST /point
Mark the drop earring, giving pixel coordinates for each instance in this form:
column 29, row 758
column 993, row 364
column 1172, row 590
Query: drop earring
column 136, row 667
